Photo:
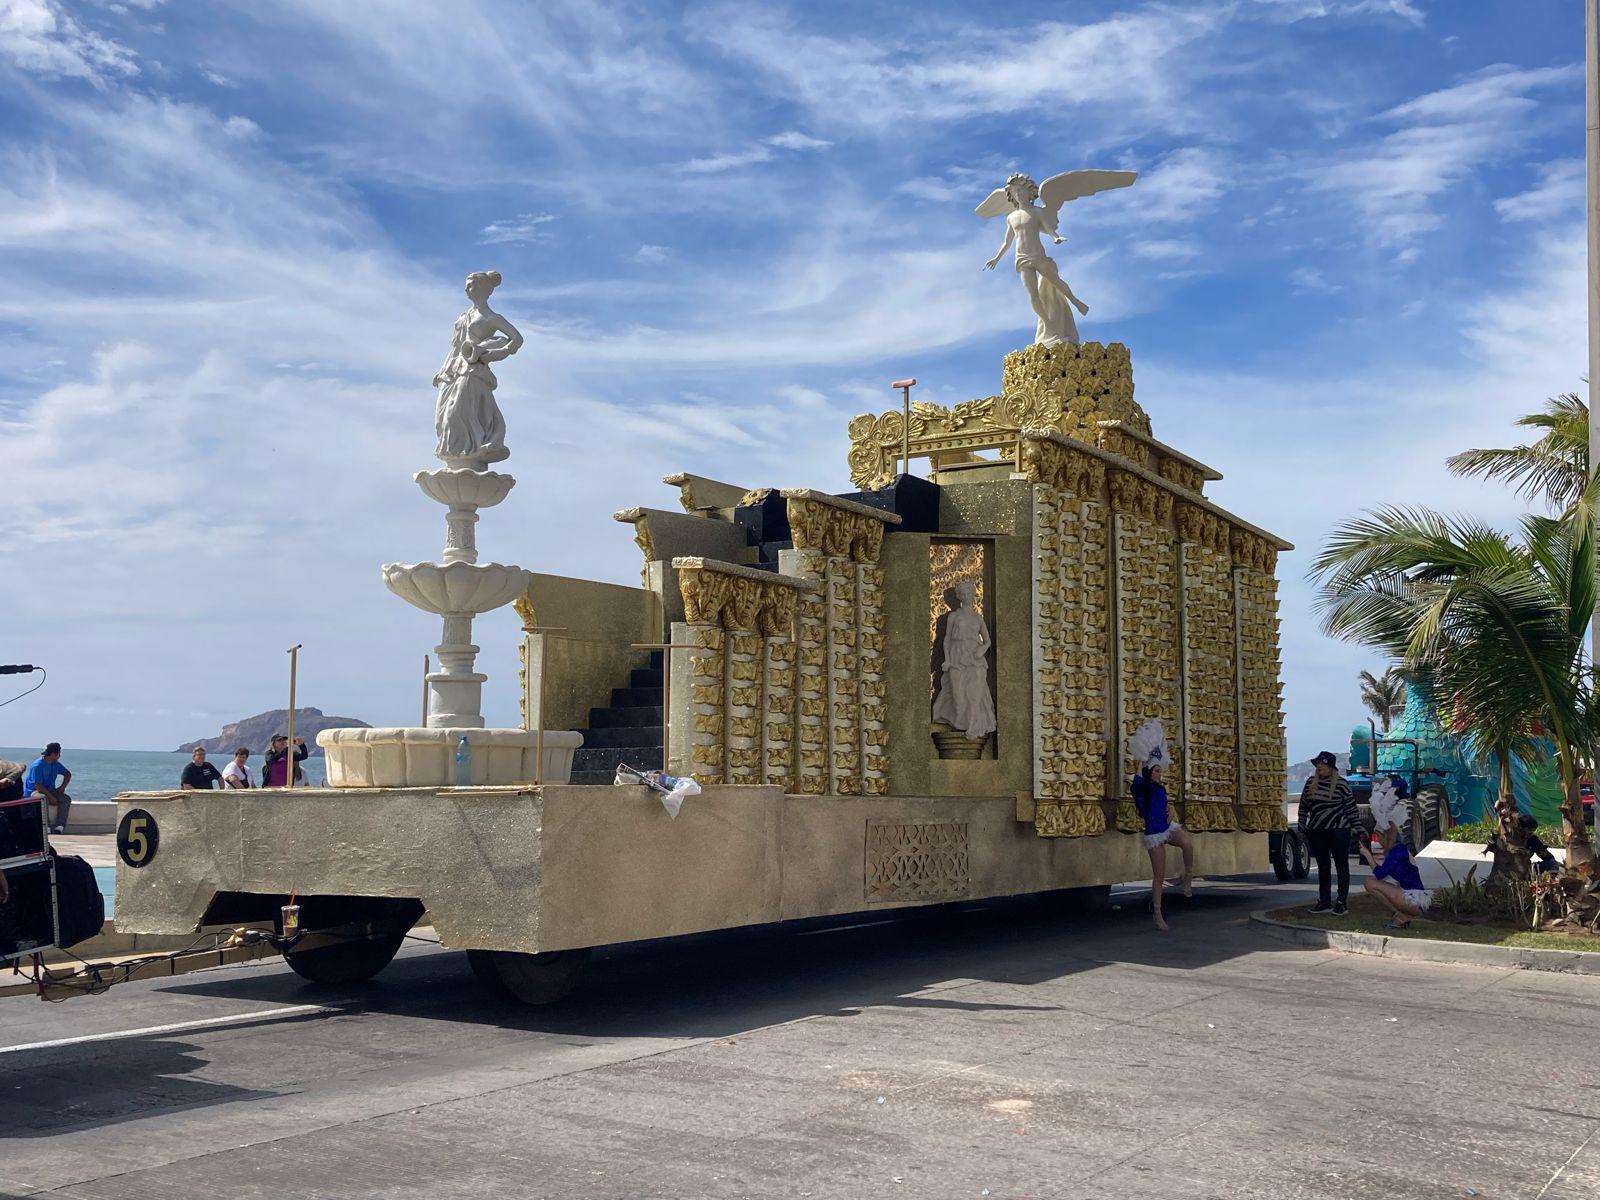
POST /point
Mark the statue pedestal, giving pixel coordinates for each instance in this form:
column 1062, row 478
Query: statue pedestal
column 416, row 757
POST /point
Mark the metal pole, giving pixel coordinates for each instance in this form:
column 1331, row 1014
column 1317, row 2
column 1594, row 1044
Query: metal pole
column 1591, row 154
column 905, row 386
column 294, row 664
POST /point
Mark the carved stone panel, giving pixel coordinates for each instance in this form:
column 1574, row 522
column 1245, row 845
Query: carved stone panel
column 916, row 860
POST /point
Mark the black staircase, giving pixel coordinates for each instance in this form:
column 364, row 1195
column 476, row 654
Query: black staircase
column 628, row 731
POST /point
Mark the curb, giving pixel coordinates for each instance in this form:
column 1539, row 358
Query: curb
column 1521, row 958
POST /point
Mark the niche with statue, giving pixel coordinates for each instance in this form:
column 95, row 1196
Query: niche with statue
column 962, row 674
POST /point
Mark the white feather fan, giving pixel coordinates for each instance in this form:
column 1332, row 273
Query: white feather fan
column 1147, row 745
column 1389, row 807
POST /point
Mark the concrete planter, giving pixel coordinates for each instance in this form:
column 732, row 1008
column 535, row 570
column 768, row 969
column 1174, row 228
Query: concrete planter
column 414, row 757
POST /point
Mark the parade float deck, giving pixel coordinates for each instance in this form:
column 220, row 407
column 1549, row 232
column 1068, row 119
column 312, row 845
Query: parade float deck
column 786, row 647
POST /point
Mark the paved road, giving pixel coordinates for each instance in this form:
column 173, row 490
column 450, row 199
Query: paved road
column 1003, row 1048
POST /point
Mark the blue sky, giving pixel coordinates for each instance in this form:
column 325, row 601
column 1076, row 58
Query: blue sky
column 233, row 236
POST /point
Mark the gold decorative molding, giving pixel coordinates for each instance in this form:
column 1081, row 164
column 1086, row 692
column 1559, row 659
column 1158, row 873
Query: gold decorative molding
column 1201, row 527
column 1139, row 497
column 735, row 597
column 1068, row 820
column 1068, row 389
column 1208, row 816
column 837, row 528
column 1262, row 818
column 523, row 605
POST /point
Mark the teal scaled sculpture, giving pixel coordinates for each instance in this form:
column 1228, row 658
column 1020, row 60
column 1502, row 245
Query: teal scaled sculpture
column 1471, row 791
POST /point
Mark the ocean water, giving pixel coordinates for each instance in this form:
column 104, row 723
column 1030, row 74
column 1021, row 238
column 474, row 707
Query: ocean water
column 101, row 774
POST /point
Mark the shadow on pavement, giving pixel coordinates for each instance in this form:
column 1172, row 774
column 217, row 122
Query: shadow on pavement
column 703, row 986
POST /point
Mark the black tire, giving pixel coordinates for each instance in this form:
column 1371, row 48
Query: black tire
column 354, row 961
column 356, row 958
column 529, row 978
column 1281, row 850
column 1302, row 854
column 1428, row 823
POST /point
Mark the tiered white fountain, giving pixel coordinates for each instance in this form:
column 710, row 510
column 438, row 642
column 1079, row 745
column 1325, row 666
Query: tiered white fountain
column 471, row 436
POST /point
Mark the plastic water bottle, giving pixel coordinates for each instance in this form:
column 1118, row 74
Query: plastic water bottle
column 463, row 762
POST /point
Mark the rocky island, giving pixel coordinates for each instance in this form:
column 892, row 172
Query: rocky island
column 255, row 731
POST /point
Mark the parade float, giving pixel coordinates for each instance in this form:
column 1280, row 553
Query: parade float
column 912, row 693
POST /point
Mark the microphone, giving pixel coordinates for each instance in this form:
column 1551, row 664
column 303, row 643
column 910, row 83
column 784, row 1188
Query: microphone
column 17, row 668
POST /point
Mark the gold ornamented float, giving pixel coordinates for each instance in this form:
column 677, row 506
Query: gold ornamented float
column 917, row 692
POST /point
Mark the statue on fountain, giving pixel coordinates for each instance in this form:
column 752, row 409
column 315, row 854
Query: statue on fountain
column 470, row 429
column 1027, row 224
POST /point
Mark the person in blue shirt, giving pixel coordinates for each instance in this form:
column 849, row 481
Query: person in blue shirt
column 1160, row 831
column 1397, row 883
column 48, row 777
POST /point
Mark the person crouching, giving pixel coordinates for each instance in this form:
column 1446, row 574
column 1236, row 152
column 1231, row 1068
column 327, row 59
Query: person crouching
column 1397, row 883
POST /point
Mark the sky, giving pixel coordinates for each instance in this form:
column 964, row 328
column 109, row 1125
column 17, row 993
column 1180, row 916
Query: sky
column 233, row 237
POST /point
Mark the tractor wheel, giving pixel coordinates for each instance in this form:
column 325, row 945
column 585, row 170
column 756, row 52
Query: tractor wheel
column 1433, row 807
column 528, row 978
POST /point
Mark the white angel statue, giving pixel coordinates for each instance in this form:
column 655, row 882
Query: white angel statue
column 1027, row 223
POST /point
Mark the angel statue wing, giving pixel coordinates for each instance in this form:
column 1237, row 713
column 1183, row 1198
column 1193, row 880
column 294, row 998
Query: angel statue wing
column 1147, row 745
column 1389, row 807
column 1074, row 185
column 994, row 204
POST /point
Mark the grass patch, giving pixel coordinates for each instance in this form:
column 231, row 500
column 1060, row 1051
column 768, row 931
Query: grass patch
column 1368, row 916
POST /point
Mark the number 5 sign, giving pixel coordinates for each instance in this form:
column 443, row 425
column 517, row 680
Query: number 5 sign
column 137, row 837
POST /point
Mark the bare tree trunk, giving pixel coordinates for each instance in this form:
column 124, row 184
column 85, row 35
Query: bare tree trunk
column 1510, row 849
column 1579, row 848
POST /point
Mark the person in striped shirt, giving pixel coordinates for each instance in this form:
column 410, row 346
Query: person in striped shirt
column 1328, row 815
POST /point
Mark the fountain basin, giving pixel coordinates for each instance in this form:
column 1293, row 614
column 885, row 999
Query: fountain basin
column 457, row 587
column 413, row 757
column 462, row 489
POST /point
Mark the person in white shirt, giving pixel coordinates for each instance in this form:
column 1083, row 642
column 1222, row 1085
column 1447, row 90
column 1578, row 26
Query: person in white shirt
column 236, row 774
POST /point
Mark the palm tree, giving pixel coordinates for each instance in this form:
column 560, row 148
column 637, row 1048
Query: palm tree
column 1500, row 623
column 1382, row 694
column 1555, row 468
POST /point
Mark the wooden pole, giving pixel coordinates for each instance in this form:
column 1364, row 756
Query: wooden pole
column 294, row 665
column 905, row 386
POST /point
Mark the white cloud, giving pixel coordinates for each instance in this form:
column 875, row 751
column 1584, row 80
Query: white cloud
column 1440, row 138
column 1559, row 193
column 762, row 151
column 651, row 253
column 1135, row 61
column 793, row 139
column 525, row 227
column 1312, row 279
column 39, row 36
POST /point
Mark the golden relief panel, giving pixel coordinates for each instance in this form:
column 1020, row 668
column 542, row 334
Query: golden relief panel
column 1067, row 389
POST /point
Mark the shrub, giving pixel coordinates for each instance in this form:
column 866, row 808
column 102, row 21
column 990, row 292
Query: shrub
column 1482, row 832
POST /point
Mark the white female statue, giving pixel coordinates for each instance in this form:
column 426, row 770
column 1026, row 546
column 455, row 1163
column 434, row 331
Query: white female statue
column 964, row 701
column 1027, row 224
column 466, row 418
